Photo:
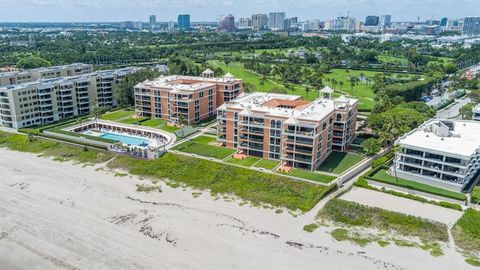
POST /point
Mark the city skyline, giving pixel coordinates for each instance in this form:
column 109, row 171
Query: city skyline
column 210, row 10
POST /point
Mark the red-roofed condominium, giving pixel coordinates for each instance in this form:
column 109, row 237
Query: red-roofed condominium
column 299, row 133
column 186, row 99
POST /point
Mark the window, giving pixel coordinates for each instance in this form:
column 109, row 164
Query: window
column 339, row 117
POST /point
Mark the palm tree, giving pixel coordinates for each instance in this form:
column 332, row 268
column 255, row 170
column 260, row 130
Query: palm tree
column 182, row 121
column 307, row 90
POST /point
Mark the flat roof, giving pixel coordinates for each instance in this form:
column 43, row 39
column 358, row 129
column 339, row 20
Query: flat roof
column 463, row 141
column 177, row 82
column 43, row 69
column 258, row 103
column 60, row 80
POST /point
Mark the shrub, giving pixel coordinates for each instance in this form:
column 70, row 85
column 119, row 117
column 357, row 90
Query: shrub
column 475, row 196
column 354, row 214
column 466, row 231
column 310, row 227
column 255, row 187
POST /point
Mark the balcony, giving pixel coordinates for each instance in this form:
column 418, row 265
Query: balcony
column 252, row 123
column 300, row 132
column 298, row 150
column 297, row 159
column 251, row 146
column 246, row 138
column 252, row 131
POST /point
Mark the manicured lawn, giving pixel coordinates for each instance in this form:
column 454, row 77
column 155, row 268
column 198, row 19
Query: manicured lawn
column 167, row 128
column 393, row 59
column 204, row 150
column 250, row 185
column 339, row 162
column 247, row 162
column 204, row 139
column 154, row 123
column 267, row 164
column 131, row 120
column 363, row 91
column 383, row 176
column 322, row 178
column 117, row 115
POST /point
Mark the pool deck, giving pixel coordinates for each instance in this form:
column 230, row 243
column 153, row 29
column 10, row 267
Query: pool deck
column 171, row 138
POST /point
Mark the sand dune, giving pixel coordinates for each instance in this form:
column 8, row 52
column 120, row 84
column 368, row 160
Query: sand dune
column 62, row 216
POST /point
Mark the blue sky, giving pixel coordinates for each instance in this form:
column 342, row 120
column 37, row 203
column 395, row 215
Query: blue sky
column 117, row 10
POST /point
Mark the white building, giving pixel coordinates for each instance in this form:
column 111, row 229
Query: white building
column 476, row 113
column 341, row 24
column 30, row 75
column 245, row 23
column 259, row 21
column 440, row 153
column 48, row 100
column 275, row 20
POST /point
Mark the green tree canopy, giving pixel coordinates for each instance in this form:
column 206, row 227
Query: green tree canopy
column 393, row 123
column 123, row 92
column 371, row 146
column 33, row 62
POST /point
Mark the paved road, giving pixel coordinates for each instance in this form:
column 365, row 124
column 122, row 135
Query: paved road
column 453, row 111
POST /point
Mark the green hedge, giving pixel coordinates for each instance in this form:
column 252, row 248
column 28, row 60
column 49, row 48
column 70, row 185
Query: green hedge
column 361, row 182
column 383, row 177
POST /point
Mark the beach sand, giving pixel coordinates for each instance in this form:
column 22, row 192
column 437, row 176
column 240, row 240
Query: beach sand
column 62, row 216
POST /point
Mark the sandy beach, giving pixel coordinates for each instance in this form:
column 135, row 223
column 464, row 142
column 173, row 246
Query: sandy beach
column 62, row 216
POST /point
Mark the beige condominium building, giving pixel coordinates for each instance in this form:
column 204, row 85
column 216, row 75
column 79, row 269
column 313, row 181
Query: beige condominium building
column 31, row 75
column 186, row 99
column 300, row 133
column 48, row 100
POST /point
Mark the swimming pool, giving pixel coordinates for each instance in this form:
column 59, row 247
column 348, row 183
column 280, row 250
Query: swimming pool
column 125, row 139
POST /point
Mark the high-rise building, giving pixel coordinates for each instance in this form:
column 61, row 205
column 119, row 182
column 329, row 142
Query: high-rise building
column 455, row 25
column 59, row 93
column 443, row 22
column 227, row 24
column 299, row 133
column 171, row 25
column 385, row 20
column 183, row 22
column 131, row 25
column 433, row 22
column 259, row 21
column 153, row 21
column 471, row 26
column 245, row 23
column 342, row 24
column 191, row 98
column 311, row 25
column 372, row 21
column 275, row 20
